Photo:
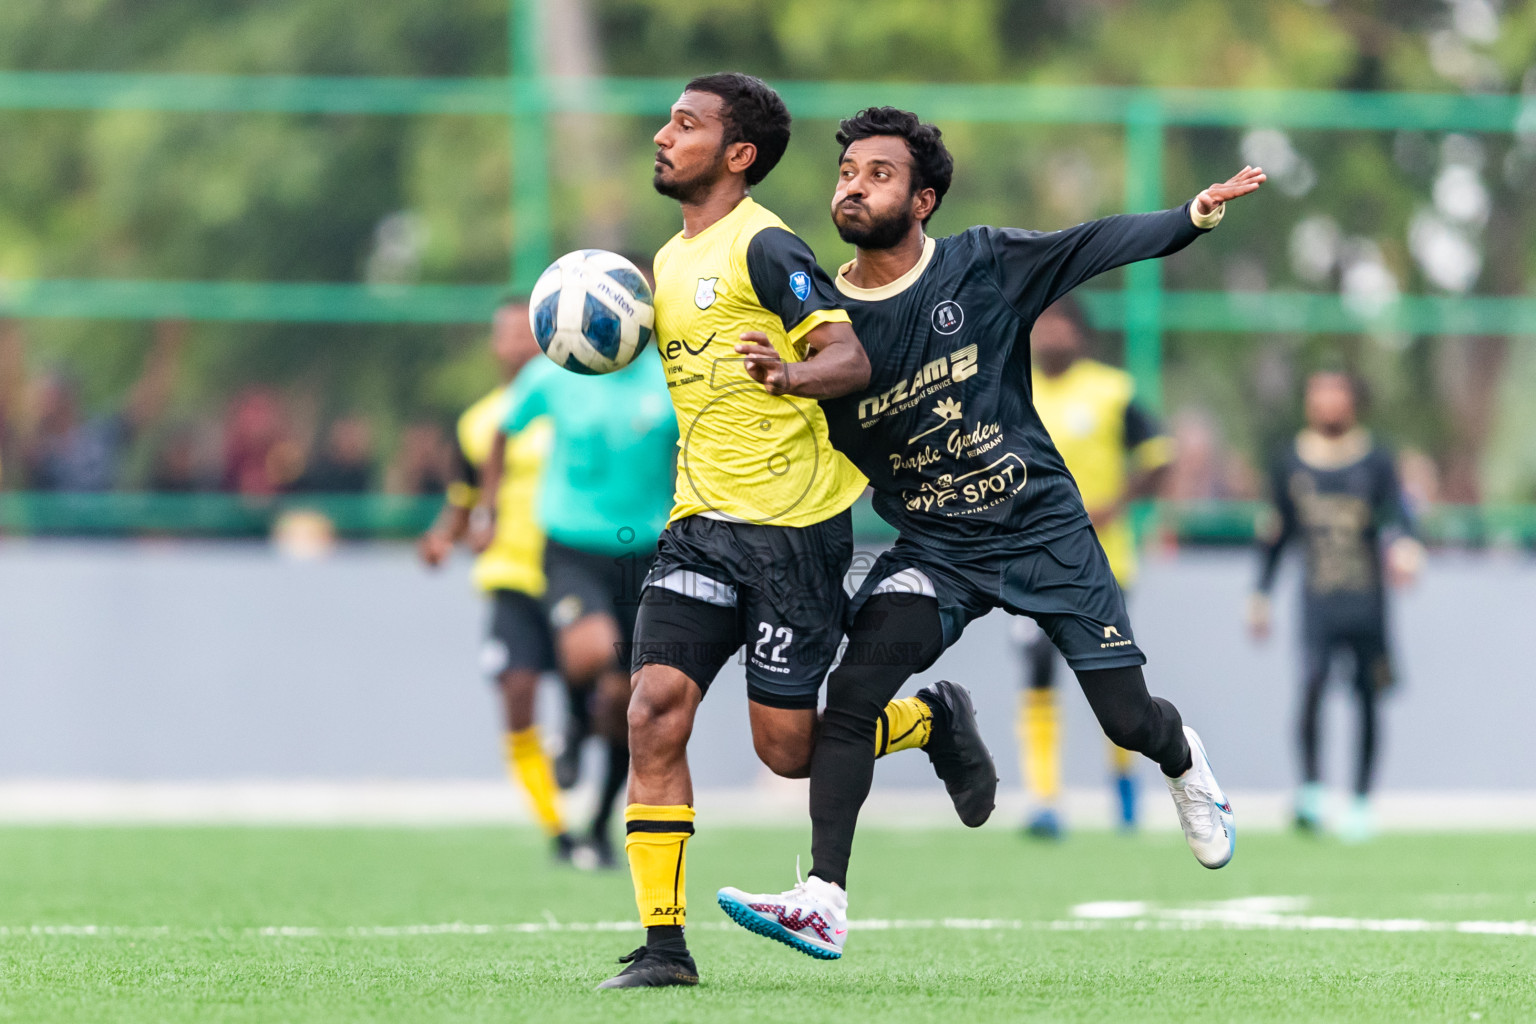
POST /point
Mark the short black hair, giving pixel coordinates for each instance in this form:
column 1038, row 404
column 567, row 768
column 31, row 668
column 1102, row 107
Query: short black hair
column 932, row 166
column 753, row 113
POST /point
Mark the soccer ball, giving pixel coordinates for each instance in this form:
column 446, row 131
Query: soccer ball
column 591, row 311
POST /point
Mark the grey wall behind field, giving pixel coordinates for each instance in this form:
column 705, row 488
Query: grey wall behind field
column 223, row 661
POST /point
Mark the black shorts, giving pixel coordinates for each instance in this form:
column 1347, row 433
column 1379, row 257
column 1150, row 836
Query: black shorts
column 582, row 583
column 1065, row 585
column 1357, row 627
column 778, row 590
column 518, row 638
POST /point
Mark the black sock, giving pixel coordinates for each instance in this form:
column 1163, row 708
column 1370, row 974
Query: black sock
column 578, row 722
column 666, row 938
column 613, row 784
column 1134, row 719
column 1182, row 767
column 893, row 636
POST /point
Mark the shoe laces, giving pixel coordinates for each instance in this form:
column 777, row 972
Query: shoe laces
column 1195, row 805
column 802, row 887
column 636, row 956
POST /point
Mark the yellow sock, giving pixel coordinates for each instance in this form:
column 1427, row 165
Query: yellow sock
column 656, row 840
column 1121, row 760
column 527, row 761
column 904, row 724
column 1040, row 744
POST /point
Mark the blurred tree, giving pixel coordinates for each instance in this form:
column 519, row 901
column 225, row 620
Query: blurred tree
column 1368, row 215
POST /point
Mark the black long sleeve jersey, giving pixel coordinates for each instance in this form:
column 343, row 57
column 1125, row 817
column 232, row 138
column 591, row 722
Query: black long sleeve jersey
column 947, row 431
column 1335, row 497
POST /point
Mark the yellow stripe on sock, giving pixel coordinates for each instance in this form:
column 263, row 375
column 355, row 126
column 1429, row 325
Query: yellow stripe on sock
column 1040, row 744
column 529, row 764
column 905, row 724
column 656, row 842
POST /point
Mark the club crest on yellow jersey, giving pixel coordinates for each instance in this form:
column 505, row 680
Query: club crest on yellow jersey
column 746, row 454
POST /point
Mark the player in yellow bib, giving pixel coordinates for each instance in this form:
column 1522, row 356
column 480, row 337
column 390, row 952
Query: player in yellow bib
column 511, row 569
column 1117, row 453
column 751, row 335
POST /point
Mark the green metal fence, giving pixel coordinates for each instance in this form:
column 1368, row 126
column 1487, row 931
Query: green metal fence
column 143, row 515
column 529, row 97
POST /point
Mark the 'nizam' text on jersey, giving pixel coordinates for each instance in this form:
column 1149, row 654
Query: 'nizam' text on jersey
column 947, row 432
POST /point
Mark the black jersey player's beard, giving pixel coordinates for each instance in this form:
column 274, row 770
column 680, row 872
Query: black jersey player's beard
column 878, row 232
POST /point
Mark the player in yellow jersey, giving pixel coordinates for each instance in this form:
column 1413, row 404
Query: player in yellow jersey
column 751, row 335
column 511, row 569
column 1117, row 453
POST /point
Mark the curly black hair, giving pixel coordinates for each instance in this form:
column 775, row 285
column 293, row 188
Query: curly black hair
column 932, row 166
column 753, row 113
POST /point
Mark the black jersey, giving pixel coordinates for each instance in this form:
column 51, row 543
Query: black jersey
column 947, row 431
column 1335, row 496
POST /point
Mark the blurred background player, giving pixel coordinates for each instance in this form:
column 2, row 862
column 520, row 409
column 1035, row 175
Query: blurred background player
column 1335, row 490
column 1118, row 453
column 510, row 568
column 604, row 499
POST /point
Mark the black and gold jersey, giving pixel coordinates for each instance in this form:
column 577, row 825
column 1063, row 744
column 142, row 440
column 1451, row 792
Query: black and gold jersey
column 747, row 455
column 947, row 430
column 1334, row 496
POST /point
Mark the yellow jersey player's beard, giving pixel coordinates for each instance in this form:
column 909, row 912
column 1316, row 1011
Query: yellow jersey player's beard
column 689, row 190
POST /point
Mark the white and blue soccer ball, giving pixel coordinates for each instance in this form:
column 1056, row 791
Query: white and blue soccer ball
column 591, row 311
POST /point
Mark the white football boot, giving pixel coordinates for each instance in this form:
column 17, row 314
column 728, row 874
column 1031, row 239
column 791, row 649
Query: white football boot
column 812, row 917
column 1203, row 808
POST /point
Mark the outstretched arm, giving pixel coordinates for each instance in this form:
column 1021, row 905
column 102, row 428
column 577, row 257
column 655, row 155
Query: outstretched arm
column 835, row 363
column 1038, row 268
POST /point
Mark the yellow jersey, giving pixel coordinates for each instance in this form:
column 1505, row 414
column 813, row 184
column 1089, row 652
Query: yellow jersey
column 515, row 559
column 1099, row 430
column 747, row 455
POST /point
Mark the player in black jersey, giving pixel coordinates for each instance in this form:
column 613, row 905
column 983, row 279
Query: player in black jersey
column 987, row 514
column 1335, row 491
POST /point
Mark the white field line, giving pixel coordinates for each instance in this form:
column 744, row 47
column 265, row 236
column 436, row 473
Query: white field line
column 769, row 802
column 1169, row 919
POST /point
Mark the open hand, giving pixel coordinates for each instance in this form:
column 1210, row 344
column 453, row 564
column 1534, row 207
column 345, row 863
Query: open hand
column 434, row 548
column 1405, row 559
column 1259, row 619
column 763, row 363
column 1240, row 184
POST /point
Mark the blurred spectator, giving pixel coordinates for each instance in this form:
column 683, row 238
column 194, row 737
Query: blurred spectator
column 260, row 455
column 1205, row 470
column 12, row 384
column 180, row 465
column 345, row 463
column 422, row 463
column 63, row 452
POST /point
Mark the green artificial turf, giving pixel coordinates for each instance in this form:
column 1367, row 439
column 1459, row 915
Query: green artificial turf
column 186, row 918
